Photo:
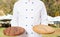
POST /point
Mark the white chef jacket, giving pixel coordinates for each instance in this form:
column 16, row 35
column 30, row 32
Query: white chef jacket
column 28, row 13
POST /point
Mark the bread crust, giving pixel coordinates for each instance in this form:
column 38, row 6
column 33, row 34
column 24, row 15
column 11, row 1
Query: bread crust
column 14, row 31
column 43, row 29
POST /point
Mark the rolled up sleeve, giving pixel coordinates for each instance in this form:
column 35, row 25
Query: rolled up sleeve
column 14, row 21
column 44, row 18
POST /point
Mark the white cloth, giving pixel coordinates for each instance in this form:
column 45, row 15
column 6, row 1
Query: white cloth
column 27, row 13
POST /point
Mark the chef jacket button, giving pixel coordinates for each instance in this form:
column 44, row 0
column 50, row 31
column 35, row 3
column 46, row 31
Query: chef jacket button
column 26, row 33
column 31, row 32
column 25, row 2
column 26, row 17
column 32, row 2
column 32, row 17
column 31, row 9
column 26, row 9
column 26, row 25
column 31, row 25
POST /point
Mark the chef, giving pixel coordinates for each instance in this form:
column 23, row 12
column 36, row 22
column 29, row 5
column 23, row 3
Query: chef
column 28, row 13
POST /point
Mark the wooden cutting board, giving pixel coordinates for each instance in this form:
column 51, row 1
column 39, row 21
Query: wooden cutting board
column 55, row 34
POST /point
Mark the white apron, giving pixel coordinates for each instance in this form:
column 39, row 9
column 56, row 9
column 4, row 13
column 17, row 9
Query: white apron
column 27, row 13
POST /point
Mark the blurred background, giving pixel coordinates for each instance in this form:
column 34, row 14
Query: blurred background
column 52, row 6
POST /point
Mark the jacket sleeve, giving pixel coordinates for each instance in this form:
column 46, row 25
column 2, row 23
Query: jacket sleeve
column 44, row 18
column 14, row 21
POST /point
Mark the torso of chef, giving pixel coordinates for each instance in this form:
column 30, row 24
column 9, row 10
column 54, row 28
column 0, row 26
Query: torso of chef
column 28, row 13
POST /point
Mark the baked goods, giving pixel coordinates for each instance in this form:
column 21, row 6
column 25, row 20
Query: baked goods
column 14, row 31
column 43, row 29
